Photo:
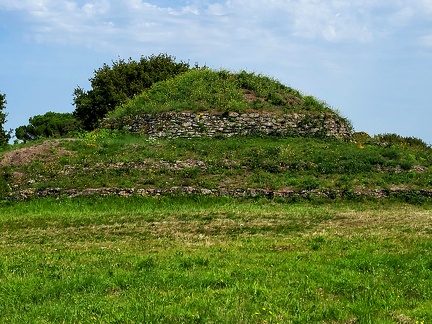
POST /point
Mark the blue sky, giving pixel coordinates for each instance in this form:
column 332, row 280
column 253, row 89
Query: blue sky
column 371, row 60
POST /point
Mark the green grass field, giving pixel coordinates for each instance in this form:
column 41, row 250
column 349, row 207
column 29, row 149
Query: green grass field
column 214, row 260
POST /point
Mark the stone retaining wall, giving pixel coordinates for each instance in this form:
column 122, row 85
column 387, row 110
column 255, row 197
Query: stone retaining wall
column 235, row 193
column 189, row 124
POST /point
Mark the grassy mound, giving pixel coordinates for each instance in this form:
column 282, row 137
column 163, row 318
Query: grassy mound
column 104, row 159
column 206, row 90
column 368, row 166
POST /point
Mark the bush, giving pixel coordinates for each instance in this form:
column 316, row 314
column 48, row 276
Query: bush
column 362, row 137
column 388, row 140
column 4, row 186
column 50, row 124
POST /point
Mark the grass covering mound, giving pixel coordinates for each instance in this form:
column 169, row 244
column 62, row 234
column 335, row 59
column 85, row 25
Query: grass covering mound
column 207, row 90
column 111, row 159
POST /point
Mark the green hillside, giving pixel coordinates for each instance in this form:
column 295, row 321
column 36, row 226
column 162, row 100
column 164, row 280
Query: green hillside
column 286, row 167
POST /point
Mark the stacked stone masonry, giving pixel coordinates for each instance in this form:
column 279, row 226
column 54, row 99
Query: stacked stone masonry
column 205, row 124
column 235, row 193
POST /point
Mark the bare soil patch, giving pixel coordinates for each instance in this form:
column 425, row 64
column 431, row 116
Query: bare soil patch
column 47, row 150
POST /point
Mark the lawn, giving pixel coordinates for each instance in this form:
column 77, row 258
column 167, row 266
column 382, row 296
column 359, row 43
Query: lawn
column 214, row 260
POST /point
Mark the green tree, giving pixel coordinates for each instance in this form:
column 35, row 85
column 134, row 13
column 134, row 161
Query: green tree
column 113, row 85
column 50, row 124
column 4, row 134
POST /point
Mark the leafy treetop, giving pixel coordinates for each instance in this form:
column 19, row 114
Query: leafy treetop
column 113, row 85
column 50, row 124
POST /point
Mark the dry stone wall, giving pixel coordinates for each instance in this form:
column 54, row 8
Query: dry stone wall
column 190, row 124
column 225, row 192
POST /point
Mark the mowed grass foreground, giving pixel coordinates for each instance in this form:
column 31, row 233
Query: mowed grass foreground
column 214, row 260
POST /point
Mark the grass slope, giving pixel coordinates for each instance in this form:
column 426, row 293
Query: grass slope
column 112, row 159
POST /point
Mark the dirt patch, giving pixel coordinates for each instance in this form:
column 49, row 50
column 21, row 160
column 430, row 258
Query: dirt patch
column 44, row 151
column 251, row 97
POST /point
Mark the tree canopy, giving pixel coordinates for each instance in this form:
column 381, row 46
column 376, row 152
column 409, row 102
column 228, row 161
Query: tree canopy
column 50, row 124
column 4, row 135
column 113, row 85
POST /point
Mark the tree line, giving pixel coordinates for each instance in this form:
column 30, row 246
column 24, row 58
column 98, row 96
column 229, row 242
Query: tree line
column 111, row 86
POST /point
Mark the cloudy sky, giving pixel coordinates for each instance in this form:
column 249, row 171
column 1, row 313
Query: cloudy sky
column 372, row 60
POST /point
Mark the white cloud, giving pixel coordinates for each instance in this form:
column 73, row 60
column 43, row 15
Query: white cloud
column 426, row 41
column 426, row 6
column 92, row 9
column 107, row 22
